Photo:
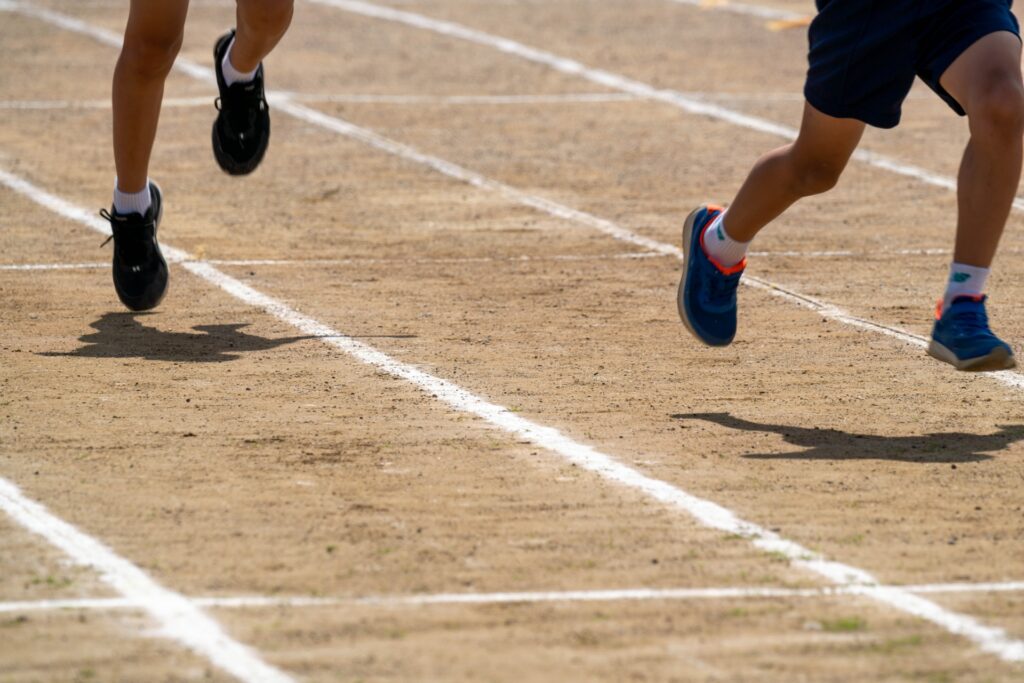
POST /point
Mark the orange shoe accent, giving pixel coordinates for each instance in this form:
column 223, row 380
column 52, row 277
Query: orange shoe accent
column 714, row 210
column 938, row 304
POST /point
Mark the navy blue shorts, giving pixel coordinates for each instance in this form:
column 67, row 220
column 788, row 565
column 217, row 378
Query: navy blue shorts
column 864, row 54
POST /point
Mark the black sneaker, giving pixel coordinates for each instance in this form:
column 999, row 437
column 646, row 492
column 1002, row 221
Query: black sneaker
column 241, row 132
column 140, row 271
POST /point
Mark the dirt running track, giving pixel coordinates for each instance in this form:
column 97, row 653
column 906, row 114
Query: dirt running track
column 225, row 453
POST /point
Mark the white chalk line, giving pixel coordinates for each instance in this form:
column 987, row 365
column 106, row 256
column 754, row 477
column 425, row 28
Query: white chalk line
column 507, row 597
column 989, row 639
column 760, row 11
column 705, row 512
column 207, row 101
column 179, row 618
column 629, row 256
column 558, row 258
column 35, row 267
column 355, row 98
column 624, row 84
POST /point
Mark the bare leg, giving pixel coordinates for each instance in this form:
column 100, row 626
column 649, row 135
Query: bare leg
column 261, row 25
column 986, row 81
column 810, row 165
column 151, row 42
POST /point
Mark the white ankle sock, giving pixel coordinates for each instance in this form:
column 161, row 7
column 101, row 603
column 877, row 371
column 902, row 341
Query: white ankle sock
column 722, row 248
column 132, row 202
column 964, row 280
column 231, row 74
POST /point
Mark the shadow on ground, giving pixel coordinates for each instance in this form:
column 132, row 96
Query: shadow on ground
column 123, row 335
column 832, row 444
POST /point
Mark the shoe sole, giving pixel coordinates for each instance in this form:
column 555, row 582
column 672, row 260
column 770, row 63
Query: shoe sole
column 681, row 292
column 156, row 233
column 228, row 164
column 998, row 359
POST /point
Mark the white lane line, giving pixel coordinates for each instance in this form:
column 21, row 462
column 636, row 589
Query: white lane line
column 179, row 619
column 312, row 98
column 568, row 98
column 710, row 514
column 630, row 256
column 45, row 105
column 98, row 604
column 16, row 267
column 960, row 587
column 259, row 601
column 706, row 512
column 614, row 595
column 745, row 8
column 207, row 101
column 626, row 85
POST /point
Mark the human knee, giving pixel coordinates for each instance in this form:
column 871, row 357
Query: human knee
column 152, row 54
column 816, row 176
column 996, row 107
column 267, row 16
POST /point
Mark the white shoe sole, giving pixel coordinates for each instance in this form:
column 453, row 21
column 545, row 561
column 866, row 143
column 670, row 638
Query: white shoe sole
column 998, row 359
column 680, row 293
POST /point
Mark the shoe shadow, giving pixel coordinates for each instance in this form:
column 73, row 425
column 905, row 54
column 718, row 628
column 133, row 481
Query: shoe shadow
column 832, row 444
column 122, row 335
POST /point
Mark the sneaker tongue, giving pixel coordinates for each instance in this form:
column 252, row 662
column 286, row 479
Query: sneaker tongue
column 969, row 298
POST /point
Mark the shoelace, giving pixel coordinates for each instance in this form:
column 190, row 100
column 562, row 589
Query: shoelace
column 241, row 105
column 972, row 322
column 104, row 214
column 133, row 244
column 719, row 289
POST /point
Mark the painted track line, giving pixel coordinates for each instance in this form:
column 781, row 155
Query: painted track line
column 558, row 258
column 761, row 11
column 355, row 98
column 189, row 102
column 627, row 85
column 34, row 267
column 710, row 514
column 626, row 256
column 519, row 597
column 259, row 601
column 179, row 618
column 568, row 98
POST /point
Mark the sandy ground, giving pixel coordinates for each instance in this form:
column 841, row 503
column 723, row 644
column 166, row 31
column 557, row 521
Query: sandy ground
column 225, row 454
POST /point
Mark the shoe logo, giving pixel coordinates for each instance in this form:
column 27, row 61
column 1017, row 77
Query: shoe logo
column 960, row 277
column 720, row 233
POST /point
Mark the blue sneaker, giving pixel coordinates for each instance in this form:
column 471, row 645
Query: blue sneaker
column 961, row 337
column 707, row 291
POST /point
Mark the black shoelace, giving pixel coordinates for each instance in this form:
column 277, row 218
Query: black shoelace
column 242, row 104
column 133, row 242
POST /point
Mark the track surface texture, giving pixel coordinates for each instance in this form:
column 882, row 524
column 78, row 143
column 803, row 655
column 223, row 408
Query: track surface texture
column 427, row 356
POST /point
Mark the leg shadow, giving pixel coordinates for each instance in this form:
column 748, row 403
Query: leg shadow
column 832, row 444
column 122, row 335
